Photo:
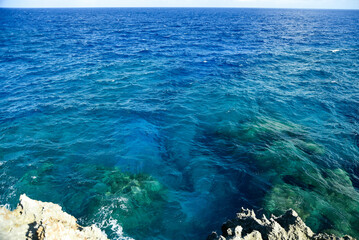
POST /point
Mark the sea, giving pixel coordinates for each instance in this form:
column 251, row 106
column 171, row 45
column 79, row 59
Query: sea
column 162, row 123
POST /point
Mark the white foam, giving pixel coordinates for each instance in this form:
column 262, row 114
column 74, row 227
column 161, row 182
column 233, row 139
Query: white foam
column 122, row 199
column 117, row 228
column 124, row 207
column 109, row 222
column 7, row 206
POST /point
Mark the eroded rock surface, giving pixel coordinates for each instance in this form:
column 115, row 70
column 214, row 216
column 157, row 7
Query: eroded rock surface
column 43, row 221
column 289, row 226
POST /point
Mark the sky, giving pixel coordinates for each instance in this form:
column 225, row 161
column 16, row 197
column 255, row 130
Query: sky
column 326, row 4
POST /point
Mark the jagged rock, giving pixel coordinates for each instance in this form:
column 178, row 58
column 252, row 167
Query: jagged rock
column 43, row 221
column 289, row 226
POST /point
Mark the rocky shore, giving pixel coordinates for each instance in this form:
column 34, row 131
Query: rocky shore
column 42, row 220
column 289, row 226
column 38, row 220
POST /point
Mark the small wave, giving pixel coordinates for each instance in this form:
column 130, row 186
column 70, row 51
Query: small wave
column 144, row 51
column 115, row 227
column 118, row 230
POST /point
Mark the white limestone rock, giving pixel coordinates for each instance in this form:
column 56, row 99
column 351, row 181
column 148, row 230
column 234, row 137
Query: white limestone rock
column 43, row 221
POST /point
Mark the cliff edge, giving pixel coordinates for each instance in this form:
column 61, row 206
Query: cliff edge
column 38, row 220
column 289, row 226
column 42, row 220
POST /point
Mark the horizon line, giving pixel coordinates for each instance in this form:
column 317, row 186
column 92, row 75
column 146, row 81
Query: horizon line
column 183, row 7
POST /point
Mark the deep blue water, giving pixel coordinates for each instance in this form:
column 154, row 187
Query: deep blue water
column 163, row 123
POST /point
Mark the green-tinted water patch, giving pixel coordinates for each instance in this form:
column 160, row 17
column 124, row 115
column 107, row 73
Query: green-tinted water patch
column 116, row 201
column 135, row 200
column 330, row 203
column 285, row 156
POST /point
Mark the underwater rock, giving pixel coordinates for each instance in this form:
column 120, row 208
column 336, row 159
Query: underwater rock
column 337, row 212
column 117, row 201
column 43, row 220
column 136, row 201
column 300, row 172
column 289, row 226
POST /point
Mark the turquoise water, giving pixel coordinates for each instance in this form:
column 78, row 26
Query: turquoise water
column 162, row 123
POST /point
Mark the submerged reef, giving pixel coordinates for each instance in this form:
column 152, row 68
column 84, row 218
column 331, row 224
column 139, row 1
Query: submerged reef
column 38, row 220
column 300, row 173
column 134, row 200
column 114, row 200
column 327, row 194
column 42, row 220
column 289, row 226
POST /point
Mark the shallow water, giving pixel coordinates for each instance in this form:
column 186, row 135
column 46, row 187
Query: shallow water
column 162, row 123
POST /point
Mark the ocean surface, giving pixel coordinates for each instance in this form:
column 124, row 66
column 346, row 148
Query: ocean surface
column 163, row 123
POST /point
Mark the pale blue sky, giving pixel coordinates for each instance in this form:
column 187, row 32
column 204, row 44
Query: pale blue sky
column 336, row 4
